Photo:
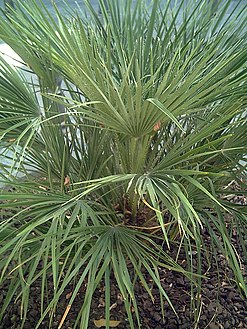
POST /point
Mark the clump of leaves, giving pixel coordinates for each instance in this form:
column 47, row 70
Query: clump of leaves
column 127, row 135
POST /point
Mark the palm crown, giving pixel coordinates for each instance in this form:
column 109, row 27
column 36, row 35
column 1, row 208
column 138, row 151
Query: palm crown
column 138, row 110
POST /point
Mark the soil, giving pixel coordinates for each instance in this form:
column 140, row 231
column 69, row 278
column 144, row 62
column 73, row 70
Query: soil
column 221, row 304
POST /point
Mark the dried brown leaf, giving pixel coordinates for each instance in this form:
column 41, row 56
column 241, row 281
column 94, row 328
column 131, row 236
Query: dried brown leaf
column 102, row 323
column 69, row 295
column 157, row 126
column 67, row 181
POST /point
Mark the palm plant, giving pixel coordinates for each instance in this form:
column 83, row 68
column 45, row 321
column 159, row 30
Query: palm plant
column 141, row 110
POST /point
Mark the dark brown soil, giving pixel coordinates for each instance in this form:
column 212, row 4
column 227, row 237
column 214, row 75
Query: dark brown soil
column 221, row 306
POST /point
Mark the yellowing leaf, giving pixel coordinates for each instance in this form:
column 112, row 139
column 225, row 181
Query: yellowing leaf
column 102, row 323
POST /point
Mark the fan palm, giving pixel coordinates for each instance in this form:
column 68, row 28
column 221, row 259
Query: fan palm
column 141, row 110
